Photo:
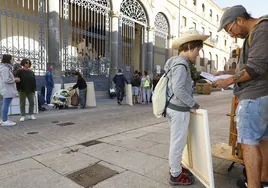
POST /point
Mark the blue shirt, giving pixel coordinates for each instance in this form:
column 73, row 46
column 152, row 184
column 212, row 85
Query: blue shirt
column 49, row 79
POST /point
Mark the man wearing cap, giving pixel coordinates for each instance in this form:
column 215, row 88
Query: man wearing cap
column 251, row 88
column 181, row 101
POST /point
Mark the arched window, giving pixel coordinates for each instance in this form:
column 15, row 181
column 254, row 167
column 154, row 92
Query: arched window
column 203, row 7
column 194, row 2
column 217, row 17
column 162, row 30
column 210, row 12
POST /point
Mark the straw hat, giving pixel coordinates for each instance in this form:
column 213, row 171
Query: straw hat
column 188, row 36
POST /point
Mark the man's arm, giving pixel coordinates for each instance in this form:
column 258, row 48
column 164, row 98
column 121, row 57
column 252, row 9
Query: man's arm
column 230, row 71
column 241, row 76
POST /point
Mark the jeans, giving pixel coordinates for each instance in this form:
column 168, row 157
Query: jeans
column 30, row 97
column 179, row 123
column 252, row 121
column 83, row 97
column 135, row 91
column 5, row 106
column 49, row 93
column 146, row 92
column 120, row 93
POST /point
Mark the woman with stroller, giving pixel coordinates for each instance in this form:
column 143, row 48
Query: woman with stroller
column 82, row 86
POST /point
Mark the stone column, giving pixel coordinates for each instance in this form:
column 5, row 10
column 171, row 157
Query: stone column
column 54, row 39
column 171, row 52
column 114, row 47
column 150, row 51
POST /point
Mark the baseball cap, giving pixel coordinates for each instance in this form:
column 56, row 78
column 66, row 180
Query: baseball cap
column 230, row 15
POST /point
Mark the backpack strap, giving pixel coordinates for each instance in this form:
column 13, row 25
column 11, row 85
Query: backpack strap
column 250, row 34
column 167, row 103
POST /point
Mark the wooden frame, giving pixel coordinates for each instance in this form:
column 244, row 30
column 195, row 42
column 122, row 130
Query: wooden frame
column 197, row 153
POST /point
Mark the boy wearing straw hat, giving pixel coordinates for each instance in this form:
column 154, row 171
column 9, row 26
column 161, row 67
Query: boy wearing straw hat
column 181, row 101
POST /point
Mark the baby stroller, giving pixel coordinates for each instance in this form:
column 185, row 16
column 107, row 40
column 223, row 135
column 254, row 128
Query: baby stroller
column 60, row 99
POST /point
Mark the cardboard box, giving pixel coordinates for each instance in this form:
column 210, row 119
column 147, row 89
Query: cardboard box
column 203, row 88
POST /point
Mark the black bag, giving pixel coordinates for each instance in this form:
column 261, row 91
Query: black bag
column 43, row 90
column 41, row 100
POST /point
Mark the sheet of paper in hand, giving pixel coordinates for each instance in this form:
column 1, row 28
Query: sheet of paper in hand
column 214, row 78
column 197, row 153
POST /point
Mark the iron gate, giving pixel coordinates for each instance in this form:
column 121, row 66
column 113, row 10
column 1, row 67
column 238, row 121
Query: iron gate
column 23, row 33
column 85, row 36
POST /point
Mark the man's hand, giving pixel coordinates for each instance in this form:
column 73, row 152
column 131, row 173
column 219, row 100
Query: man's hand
column 217, row 73
column 222, row 83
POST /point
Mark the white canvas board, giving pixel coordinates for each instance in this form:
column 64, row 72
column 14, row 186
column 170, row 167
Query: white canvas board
column 91, row 97
column 129, row 95
column 197, row 155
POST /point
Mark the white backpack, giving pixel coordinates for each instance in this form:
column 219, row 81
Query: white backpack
column 159, row 99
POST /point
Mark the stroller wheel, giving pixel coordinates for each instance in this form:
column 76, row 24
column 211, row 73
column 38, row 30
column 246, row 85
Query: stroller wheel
column 66, row 107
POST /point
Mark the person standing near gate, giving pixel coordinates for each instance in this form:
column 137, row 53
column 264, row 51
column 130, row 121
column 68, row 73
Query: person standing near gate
column 26, row 88
column 146, row 88
column 120, row 81
column 7, row 87
column 251, row 81
column 49, row 83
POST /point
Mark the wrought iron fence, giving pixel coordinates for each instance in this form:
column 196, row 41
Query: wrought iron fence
column 22, row 31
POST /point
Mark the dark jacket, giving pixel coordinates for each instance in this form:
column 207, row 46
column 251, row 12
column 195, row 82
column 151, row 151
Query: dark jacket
column 27, row 80
column 49, row 79
column 80, row 84
column 135, row 81
column 120, row 80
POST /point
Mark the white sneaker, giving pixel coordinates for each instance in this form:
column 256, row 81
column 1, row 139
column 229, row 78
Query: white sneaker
column 22, row 118
column 8, row 123
column 32, row 117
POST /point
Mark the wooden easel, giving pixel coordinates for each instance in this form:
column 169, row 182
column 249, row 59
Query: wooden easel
column 231, row 151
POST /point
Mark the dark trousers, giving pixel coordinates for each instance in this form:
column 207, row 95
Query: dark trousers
column 120, row 91
column 30, row 97
column 49, row 93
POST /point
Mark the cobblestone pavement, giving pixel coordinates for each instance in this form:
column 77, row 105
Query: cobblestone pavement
column 104, row 123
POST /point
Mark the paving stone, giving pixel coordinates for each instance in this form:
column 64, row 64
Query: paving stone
column 159, row 150
column 236, row 171
column 66, row 161
column 112, row 167
column 222, row 181
column 134, row 133
column 130, row 180
column 162, row 174
column 156, row 137
column 94, row 148
column 151, row 129
column 131, row 160
column 31, row 174
column 91, row 175
column 127, row 142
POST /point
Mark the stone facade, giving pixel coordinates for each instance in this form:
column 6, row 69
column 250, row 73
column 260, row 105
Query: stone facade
column 97, row 37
